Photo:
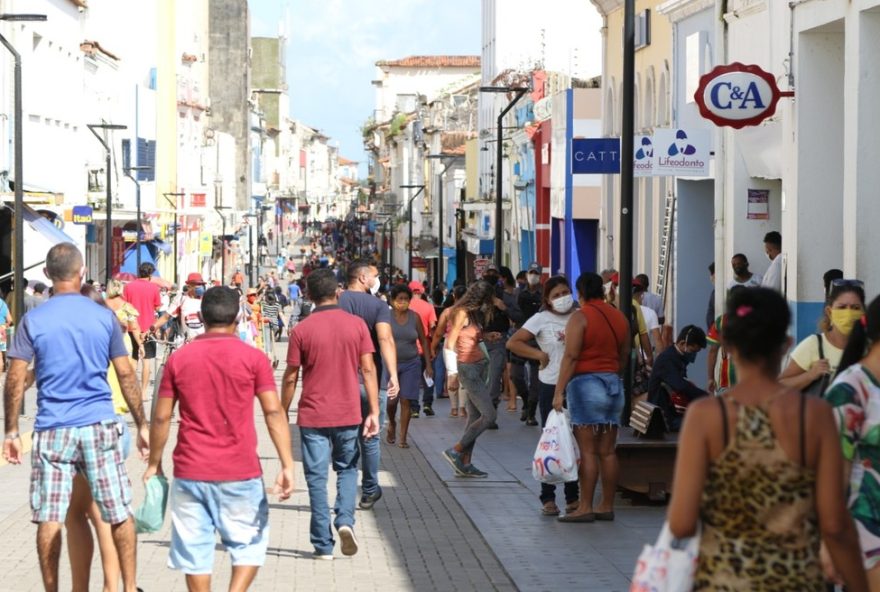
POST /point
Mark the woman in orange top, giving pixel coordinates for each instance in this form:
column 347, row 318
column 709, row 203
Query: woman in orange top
column 597, row 346
column 467, row 360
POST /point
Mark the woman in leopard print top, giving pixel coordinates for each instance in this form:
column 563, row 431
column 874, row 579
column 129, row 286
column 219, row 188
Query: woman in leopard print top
column 759, row 469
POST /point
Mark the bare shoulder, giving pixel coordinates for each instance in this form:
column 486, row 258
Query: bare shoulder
column 704, row 409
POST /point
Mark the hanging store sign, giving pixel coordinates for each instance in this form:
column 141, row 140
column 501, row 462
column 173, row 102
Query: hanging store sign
column 82, row 215
column 738, row 95
column 595, row 156
column 643, row 156
column 681, row 153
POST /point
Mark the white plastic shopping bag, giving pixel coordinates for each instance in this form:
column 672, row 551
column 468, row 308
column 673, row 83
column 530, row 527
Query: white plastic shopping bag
column 668, row 565
column 557, row 456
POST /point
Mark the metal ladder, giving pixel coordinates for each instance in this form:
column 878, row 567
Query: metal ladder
column 666, row 245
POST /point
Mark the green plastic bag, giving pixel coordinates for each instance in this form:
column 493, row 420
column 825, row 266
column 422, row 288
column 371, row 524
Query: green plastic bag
column 151, row 515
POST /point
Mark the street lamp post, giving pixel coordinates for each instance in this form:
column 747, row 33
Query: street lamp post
column 520, row 91
column 108, row 231
column 453, row 158
column 18, row 206
column 219, row 210
column 137, row 201
column 167, row 196
column 409, row 207
column 626, row 184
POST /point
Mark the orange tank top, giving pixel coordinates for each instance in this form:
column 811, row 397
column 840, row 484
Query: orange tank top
column 606, row 329
column 468, row 345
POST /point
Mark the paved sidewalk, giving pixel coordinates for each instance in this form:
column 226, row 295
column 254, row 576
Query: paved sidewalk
column 538, row 552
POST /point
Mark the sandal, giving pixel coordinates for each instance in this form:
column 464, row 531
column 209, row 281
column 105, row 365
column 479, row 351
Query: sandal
column 550, row 509
column 403, row 445
column 453, row 413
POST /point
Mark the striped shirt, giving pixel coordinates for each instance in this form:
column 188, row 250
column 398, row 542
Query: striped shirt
column 271, row 311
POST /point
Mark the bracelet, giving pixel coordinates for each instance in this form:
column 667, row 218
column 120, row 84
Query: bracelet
column 12, row 436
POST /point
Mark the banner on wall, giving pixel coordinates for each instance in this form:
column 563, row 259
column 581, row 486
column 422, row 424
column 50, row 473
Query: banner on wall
column 759, row 205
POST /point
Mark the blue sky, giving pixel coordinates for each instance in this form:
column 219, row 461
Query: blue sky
column 333, row 46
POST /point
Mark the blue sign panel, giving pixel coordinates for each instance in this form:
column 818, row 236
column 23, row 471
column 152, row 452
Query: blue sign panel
column 82, row 215
column 595, row 156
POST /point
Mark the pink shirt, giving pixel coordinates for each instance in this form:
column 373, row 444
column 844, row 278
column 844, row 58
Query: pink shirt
column 327, row 347
column 427, row 313
column 215, row 379
column 144, row 295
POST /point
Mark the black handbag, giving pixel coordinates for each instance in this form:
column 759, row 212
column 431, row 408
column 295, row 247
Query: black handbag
column 818, row 387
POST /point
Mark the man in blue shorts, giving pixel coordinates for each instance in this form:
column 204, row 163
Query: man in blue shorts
column 72, row 340
column 218, row 482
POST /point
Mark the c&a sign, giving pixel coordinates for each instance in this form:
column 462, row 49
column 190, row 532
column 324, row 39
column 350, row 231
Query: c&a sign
column 738, row 95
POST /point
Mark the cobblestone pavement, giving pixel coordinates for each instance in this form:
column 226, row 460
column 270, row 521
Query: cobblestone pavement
column 430, row 531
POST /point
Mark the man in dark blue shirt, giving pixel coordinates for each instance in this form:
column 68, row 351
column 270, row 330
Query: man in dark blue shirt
column 360, row 300
column 669, row 387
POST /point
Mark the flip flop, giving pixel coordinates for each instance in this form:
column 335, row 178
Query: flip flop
column 588, row 517
column 403, row 445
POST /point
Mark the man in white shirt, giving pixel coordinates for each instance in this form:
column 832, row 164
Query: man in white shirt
column 741, row 274
column 773, row 248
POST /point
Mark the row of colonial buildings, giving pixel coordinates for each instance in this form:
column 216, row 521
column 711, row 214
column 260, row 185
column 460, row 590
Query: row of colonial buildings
column 202, row 122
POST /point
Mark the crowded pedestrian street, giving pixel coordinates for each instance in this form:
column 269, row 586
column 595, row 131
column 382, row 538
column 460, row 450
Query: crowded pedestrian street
column 430, row 531
column 401, row 295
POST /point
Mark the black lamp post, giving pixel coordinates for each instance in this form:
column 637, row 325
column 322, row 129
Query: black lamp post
column 520, row 91
column 409, row 207
column 167, row 196
column 626, row 187
column 108, row 231
column 452, row 158
column 18, row 171
column 137, row 201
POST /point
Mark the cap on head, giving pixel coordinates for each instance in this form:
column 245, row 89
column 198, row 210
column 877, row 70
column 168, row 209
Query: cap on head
column 535, row 267
column 416, row 287
column 195, row 279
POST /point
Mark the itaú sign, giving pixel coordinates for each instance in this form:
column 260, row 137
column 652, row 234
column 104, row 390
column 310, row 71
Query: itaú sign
column 738, row 95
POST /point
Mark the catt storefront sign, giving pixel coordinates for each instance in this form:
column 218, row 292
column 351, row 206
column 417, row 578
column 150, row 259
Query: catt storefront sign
column 738, row 95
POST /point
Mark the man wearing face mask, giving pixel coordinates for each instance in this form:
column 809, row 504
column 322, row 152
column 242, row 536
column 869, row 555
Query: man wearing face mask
column 741, row 274
column 669, row 387
column 186, row 309
column 360, row 300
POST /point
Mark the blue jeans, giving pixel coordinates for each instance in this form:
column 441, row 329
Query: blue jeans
column 427, row 392
column 370, row 449
column 319, row 447
column 439, row 373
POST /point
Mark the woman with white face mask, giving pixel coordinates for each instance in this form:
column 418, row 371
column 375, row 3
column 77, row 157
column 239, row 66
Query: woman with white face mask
column 548, row 329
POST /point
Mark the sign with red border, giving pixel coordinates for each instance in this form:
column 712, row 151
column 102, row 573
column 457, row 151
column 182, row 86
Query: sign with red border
column 738, row 95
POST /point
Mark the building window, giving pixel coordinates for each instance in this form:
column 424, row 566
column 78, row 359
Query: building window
column 643, row 29
column 146, row 157
column 198, row 200
column 96, row 180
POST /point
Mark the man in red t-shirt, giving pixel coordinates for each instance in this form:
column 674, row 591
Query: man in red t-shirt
column 428, row 315
column 218, row 483
column 146, row 297
column 328, row 347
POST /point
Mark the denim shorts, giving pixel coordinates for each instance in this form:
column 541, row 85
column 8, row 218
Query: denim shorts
column 237, row 510
column 595, row 399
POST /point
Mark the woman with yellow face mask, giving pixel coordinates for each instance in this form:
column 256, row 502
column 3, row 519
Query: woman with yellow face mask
column 815, row 359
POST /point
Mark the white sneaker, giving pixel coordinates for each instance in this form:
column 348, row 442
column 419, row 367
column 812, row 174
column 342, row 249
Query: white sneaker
column 323, row 557
column 348, row 540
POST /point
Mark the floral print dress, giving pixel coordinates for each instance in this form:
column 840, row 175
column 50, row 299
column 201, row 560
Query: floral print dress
column 855, row 397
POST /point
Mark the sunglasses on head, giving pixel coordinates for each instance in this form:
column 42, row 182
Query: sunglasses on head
column 847, row 283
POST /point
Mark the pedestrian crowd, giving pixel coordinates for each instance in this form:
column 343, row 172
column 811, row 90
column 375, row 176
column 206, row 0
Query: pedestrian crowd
column 775, row 472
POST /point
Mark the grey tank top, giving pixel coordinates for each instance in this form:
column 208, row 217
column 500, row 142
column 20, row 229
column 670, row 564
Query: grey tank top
column 405, row 337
